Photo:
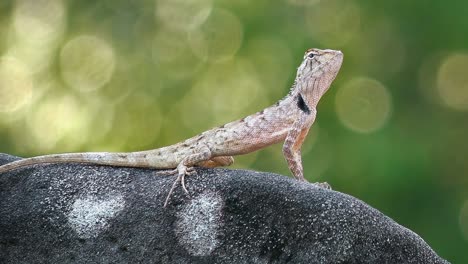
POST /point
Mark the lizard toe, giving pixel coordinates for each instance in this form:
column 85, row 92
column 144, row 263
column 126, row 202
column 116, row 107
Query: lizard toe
column 166, row 172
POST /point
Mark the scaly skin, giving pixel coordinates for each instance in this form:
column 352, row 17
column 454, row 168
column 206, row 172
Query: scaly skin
column 289, row 120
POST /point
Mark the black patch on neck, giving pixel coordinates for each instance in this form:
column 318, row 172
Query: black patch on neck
column 302, row 104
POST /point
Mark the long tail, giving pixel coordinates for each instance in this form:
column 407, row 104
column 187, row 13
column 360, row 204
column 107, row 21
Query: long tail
column 132, row 159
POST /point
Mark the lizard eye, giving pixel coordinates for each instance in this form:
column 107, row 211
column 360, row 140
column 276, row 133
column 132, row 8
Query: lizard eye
column 311, row 55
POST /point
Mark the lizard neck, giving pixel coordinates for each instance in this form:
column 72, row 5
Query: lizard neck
column 303, row 96
column 312, row 91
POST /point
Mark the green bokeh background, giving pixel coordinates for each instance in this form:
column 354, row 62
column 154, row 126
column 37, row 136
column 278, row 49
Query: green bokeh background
column 133, row 75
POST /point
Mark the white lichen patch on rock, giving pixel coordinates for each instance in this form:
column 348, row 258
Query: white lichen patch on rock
column 199, row 223
column 90, row 215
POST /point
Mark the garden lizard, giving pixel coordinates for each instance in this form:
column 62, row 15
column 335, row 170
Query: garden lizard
column 289, row 120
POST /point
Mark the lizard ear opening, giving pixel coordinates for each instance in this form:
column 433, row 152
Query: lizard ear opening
column 302, row 104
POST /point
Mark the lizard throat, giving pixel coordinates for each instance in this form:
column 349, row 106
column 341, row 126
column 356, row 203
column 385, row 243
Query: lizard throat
column 302, row 104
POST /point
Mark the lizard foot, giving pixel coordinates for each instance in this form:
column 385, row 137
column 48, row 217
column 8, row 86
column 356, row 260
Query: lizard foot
column 182, row 171
column 323, row 185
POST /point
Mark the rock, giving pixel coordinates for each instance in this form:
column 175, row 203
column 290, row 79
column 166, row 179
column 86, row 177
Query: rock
column 76, row 213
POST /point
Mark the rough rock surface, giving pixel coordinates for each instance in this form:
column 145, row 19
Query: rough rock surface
column 75, row 213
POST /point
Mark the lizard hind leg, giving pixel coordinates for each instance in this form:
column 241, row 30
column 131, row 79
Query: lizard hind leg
column 185, row 167
column 221, row 161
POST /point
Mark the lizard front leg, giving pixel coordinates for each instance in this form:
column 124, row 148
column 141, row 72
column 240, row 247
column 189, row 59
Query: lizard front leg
column 293, row 142
column 186, row 166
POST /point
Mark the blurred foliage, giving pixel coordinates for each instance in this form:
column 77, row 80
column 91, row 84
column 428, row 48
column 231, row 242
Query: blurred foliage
column 117, row 75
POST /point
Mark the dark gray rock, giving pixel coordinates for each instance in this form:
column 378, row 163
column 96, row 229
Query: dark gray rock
column 75, row 213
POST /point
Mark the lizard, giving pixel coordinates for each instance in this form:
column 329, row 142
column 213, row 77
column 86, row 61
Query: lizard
column 288, row 120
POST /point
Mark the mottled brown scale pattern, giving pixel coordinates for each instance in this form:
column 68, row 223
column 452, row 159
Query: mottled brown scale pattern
column 288, row 120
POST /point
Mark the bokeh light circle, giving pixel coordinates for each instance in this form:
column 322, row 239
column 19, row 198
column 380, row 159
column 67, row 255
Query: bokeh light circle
column 182, row 14
column 218, row 38
column 87, row 63
column 226, row 84
column 60, row 121
column 16, row 84
column 171, row 51
column 452, row 81
column 333, row 22
column 363, row 105
column 38, row 21
column 37, row 28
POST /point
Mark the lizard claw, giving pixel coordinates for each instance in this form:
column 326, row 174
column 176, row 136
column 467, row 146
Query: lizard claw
column 182, row 182
column 188, row 171
column 170, row 192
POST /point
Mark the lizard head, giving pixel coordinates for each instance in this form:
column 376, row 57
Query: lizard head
column 316, row 73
